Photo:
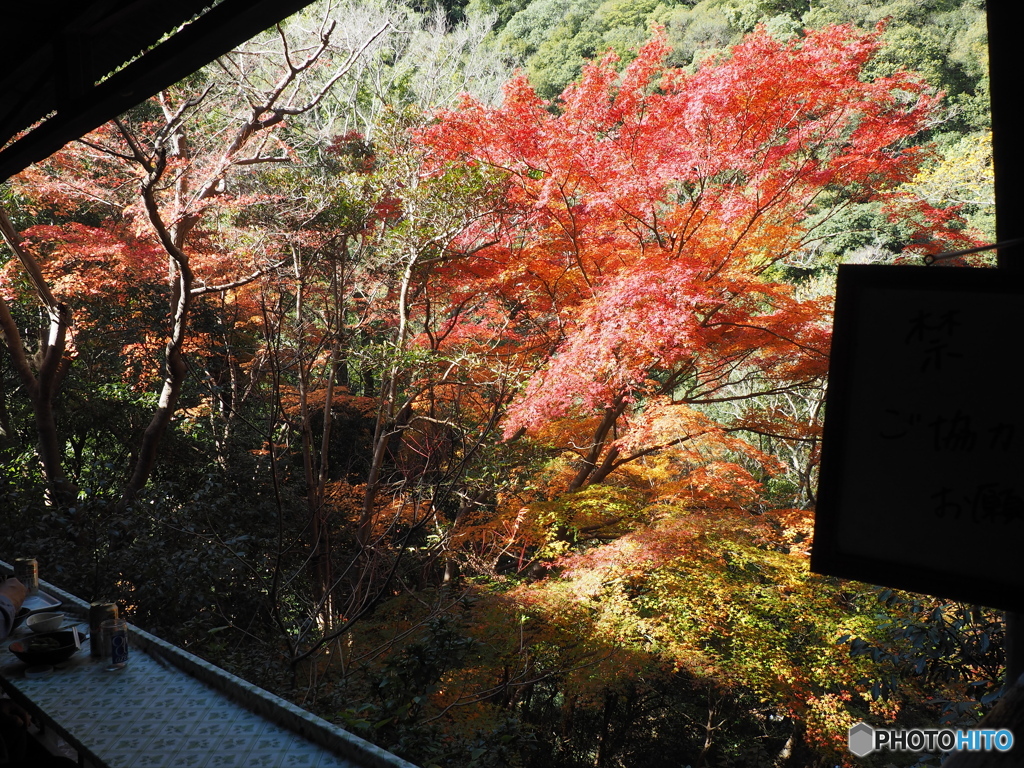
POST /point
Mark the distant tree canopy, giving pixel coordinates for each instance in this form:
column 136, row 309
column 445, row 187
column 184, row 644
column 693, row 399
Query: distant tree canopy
column 944, row 40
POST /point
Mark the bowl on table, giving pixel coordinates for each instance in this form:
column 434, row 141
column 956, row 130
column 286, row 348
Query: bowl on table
column 46, row 648
column 44, row 622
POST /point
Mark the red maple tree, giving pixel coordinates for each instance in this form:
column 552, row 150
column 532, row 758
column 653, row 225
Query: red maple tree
column 644, row 217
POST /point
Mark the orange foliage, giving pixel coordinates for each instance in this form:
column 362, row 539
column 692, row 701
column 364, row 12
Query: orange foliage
column 640, row 218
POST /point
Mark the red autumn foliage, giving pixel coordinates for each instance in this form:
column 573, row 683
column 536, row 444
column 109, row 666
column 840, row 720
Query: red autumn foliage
column 644, row 212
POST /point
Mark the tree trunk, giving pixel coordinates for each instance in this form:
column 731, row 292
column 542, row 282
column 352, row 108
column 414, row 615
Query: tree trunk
column 590, row 465
column 181, row 280
column 6, row 431
column 52, row 363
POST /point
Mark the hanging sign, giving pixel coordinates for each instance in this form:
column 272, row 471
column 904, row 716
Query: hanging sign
column 922, row 466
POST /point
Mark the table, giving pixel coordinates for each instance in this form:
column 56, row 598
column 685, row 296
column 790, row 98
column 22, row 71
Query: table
column 152, row 714
column 169, row 708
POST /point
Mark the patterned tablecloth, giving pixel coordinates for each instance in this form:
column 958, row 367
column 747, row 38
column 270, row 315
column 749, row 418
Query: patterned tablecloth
column 153, row 714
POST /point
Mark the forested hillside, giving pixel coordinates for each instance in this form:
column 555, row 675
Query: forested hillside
column 458, row 372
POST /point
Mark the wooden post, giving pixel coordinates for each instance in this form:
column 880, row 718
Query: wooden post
column 1005, row 20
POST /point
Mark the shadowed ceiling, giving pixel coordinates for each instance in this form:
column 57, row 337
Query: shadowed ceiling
column 68, row 66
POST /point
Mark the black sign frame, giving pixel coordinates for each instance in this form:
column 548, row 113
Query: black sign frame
column 922, row 466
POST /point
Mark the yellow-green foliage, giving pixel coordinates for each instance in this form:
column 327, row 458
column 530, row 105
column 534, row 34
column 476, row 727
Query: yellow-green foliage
column 963, row 176
column 686, row 616
column 592, row 513
column 716, row 597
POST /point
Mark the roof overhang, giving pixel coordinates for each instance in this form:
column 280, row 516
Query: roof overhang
column 68, row 66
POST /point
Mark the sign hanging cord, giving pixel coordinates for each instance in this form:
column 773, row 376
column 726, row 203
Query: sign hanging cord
column 929, row 259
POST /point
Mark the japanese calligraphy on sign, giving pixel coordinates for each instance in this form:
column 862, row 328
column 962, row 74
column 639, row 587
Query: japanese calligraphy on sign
column 922, row 475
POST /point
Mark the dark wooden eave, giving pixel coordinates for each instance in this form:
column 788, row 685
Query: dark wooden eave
column 68, row 66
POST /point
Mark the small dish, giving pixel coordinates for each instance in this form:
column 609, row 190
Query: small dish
column 36, row 603
column 44, row 622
